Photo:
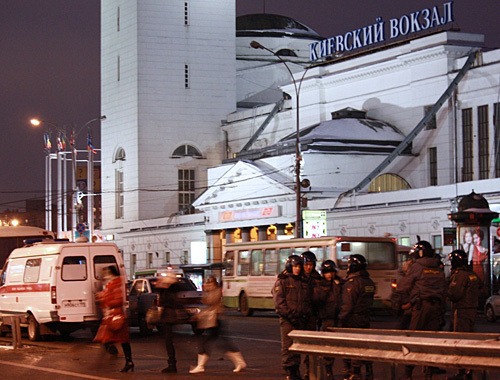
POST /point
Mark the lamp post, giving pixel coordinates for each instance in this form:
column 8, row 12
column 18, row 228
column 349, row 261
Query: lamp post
column 62, row 181
column 298, row 157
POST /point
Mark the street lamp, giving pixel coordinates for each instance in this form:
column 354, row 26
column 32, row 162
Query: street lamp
column 298, row 157
column 48, row 179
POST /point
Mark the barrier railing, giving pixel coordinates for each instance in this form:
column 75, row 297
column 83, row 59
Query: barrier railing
column 476, row 351
column 14, row 321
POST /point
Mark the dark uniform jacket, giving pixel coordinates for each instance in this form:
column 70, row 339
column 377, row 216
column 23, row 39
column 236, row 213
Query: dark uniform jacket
column 463, row 289
column 291, row 295
column 314, row 279
column 170, row 302
column 425, row 280
column 357, row 300
column 328, row 297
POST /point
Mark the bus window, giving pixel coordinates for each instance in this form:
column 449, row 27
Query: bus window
column 256, row 262
column 270, row 262
column 299, row 250
column 284, row 253
column 243, row 263
column 379, row 255
column 320, row 253
column 229, row 263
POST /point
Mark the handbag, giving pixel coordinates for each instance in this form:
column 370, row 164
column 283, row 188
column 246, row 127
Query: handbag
column 207, row 319
column 116, row 322
column 153, row 315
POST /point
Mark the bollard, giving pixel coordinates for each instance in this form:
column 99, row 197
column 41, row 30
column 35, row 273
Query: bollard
column 15, row 327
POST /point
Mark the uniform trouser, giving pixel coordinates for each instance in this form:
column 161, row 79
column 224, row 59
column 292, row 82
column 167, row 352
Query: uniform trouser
column 325, row 324
column 169, row 343
column 463, row 319
column 356, row 321
column 425, row 316
column 288, row 359
column 311, row 325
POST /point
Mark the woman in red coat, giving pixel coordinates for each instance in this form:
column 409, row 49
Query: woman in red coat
column 111, row 301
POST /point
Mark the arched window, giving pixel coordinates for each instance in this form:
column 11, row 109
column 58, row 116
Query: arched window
column 388, row 182
column 286, row 53
column 119, row 155
column 186, row 151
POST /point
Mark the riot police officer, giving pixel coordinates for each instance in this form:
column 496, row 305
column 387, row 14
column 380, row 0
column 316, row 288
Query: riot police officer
column 328, row 295
column 291, row 295
column 426, row 285
column 463, row 292
column 357, row 300
column 312, row 276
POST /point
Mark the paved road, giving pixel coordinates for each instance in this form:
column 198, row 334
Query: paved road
column 78, row 358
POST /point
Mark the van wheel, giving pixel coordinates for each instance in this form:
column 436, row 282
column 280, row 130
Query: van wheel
column 143, row 326
column 244, row 309
column 33, row 329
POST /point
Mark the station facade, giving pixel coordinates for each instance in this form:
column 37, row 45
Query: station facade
column 231, row 167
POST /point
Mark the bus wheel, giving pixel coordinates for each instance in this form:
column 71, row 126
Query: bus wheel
column 244, row 309
column 33, row 329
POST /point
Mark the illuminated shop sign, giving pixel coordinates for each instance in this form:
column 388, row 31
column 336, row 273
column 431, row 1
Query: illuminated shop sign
column 424, row 19
column 246, row 214
column 314, row 223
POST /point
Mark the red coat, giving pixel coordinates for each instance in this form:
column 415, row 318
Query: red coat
column 111, row 301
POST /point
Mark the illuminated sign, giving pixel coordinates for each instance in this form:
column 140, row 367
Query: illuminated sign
column 425, row 19
column 314, row 223
column 246, row 214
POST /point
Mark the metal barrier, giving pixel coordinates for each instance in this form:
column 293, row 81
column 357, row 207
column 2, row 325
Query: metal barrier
column 14, row 321
column 476, row 351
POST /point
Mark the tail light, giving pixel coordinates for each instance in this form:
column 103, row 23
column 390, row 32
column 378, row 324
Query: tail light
column 53, row 295
column 394, row 284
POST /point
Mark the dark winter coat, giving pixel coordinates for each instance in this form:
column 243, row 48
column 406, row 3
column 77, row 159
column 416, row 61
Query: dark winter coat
column 357, row 300
column 291, row 295
column 463, row 289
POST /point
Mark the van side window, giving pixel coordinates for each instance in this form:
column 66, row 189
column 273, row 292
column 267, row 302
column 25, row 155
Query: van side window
column 101, row 262
column 4, row 274
column 74, row 268
column 32, row 270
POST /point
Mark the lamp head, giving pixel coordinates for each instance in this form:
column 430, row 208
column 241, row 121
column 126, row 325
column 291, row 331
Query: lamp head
column 256, row 45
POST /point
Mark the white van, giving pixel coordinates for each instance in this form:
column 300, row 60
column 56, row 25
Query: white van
column 52, row 285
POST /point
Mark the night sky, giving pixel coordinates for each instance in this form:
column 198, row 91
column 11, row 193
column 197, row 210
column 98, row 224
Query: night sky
column 49, row 66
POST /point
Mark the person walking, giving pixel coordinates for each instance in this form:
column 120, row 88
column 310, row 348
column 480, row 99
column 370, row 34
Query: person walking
column 463, row 292
column 426, row 285
column 168, row 291
column 209, row 321
column 114, row 326
column 357, row 300
column 327, row 296
column 292, row 301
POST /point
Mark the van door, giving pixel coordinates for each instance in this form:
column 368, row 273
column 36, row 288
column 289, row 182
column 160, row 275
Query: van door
column 74, row 285
column 103, row 256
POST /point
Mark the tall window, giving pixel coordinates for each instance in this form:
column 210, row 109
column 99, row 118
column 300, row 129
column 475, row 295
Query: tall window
column 496, row 123
column 484, row 142
column 118, row 19
column 167, row 258
column 432, row 124
column 186, row 76
column 119, row 187
column 118, row 68
column 186, row 13
column 186, row 190
column 433, row 172
column 133, row 265
column 119, row 194
column 467, row 144
column 150, row 260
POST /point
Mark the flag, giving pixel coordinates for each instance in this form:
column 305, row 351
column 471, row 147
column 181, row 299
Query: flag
column 89, row 143
column 72, row 138
column 61, row 143
column 46, row 143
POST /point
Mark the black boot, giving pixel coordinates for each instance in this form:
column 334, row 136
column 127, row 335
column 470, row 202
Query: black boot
column 129, row 366
column 369, row 371
column 171, row 368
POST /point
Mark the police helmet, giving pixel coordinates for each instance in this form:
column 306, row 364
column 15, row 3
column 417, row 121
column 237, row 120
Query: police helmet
column 356, row 263
column 422, row 249
column 292, row 261
column 309, row 257
column 458, row 259
column 328, row 266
